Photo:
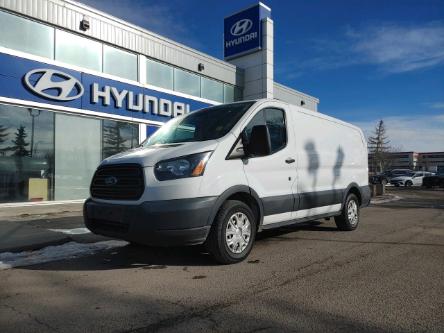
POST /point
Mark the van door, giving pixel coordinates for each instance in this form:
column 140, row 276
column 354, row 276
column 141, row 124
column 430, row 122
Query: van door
column 273, row 176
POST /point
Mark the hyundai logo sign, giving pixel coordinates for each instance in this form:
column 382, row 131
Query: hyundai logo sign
column 59, row 86
column 241, row 27
column 54, row 84
column 243, row 31
column 89, row 93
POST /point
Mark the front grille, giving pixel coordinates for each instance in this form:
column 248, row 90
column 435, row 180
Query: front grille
column 118, row 182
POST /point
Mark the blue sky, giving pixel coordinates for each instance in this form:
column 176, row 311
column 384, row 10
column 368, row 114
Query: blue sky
column 364, row 60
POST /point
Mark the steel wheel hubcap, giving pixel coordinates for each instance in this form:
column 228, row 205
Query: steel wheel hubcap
column 352, row 212
column 238, row 232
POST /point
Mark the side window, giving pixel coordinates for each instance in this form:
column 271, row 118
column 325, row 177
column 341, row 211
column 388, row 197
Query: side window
column 258, row 119
column 275, row 121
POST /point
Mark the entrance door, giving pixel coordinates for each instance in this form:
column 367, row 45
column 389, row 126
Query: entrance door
column 273, row 176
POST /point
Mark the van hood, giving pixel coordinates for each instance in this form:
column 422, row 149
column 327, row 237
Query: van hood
column 149, row 156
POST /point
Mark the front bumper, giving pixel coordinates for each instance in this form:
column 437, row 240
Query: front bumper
column 157, row 223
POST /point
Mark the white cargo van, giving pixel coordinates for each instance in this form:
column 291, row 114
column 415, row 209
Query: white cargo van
column 220, row 175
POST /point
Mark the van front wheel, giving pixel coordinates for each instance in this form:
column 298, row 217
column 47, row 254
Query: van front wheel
column 232, row 233
column 349, row 218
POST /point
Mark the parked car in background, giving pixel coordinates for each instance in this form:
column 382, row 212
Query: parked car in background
column 386, row 176
column 434, row 180
column 414, row 178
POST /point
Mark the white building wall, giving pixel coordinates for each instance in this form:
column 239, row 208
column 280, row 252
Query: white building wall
column 295, row 97
column 258, row 66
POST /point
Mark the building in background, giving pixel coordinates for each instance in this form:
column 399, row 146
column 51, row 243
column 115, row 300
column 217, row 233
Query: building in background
column 78, row 85
column 432, row 161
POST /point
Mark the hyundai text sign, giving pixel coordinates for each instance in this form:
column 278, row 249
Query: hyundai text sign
column 34, row 81
column 243, row 31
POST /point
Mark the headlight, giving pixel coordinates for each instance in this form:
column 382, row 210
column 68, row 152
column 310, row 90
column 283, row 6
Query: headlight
column 182, row 167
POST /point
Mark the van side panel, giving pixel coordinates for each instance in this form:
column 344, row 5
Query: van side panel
column 331, row 155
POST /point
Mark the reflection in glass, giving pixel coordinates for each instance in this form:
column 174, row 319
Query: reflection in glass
column 52, row 156
column 26, row 154
column 212, row 90
column 25, row 35
column 159, row 74
column 77, row 50
column 118, row 136
column 228, row 93
column 186, row 82
column 120, row 63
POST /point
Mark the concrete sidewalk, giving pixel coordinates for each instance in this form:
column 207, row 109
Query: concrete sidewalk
column 35, row 210
column 35, row 227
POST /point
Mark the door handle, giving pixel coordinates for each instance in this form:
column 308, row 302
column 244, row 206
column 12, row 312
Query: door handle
column 290, row 160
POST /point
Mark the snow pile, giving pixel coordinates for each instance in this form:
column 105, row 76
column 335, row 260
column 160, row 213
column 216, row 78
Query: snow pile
column 53, row 253
column 75, row 231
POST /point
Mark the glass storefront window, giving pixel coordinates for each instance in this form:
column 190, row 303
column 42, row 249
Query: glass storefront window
column 212, row 90
column 159, row 75
column 118, row 136
column 76, row 156
column 228, row 93
column 26, row 154
column 77, row 50
column 25, row 35
column 186, row 82
column 120, row 63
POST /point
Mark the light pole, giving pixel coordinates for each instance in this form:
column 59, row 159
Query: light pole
column 33, row 113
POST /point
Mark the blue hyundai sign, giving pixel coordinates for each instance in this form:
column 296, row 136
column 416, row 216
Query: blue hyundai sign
column 35, row 81
column 243, row 31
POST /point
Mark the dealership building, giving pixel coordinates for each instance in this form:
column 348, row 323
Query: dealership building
column 78, row 85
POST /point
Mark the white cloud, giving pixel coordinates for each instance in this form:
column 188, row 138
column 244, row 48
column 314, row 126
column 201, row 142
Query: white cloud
column 418, row 132
column 400, row 48
column 392, row 48
column 437, row 105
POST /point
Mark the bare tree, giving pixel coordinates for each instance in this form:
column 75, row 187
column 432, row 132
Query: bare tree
column 379, row 147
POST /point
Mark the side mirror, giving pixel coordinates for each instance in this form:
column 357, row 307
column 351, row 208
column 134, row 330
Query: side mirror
column 259, row 144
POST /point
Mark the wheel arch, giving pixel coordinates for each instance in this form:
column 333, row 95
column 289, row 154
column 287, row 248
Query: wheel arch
column 244, row 194
column 356, row 190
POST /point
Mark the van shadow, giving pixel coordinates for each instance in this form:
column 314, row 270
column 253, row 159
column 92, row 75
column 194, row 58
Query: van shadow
column 157, row 258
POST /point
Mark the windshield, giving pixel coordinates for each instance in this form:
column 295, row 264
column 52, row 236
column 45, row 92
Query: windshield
column 206, row 124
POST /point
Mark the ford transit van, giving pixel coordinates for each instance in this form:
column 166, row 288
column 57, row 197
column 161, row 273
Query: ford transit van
column 220, row 175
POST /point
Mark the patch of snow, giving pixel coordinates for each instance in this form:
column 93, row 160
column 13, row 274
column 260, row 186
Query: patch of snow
column 53, row 253
column 377, row 201
column 75, row 231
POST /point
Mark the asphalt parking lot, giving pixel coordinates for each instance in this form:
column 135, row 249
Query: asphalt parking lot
column 387, row 276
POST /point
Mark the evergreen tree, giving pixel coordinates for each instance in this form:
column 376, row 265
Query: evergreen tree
column 379, row 147
column 20, row 143
column 3, row 136
column 113, row 141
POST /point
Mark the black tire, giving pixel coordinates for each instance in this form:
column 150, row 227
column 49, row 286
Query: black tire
column 343, row 221
column 397, row 185
column 216, row 242
column 408, row 183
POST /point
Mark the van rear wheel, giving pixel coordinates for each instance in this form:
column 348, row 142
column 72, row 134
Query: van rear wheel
column 232, row 233
column 349, row 218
